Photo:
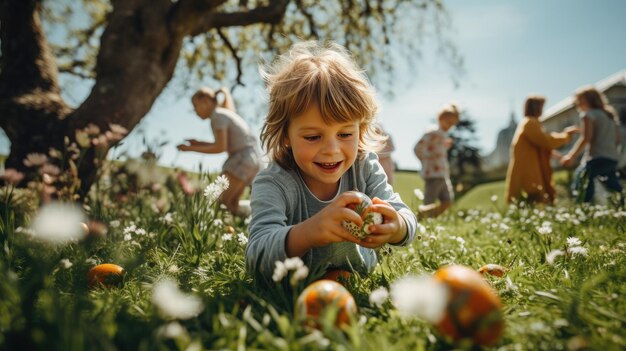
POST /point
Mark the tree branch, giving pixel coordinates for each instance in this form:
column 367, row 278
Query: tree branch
column 271, row 14
column 233, row 51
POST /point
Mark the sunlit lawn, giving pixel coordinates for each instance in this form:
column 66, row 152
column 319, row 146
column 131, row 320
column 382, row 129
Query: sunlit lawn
column 558, row 293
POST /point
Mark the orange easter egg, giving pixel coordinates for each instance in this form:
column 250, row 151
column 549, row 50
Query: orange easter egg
column 107, row 274
column 323, row 294
column 473, row 310
column 493, row 269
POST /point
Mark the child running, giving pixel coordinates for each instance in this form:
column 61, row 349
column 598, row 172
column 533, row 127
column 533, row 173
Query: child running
column 320, row 135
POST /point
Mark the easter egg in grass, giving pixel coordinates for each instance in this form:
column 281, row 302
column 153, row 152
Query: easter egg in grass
column 493, row 269
column 325, row 299
column 369, row 217
column 473, row 310
column 107, row 274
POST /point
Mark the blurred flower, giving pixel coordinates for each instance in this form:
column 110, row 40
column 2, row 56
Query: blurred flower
column 545, row 229
column 227, row 237
column 379, row 296
column 422, row 297
column 577, row 250
column 573, row 241
column 494, row 198
column 552, row 255
column 114, row 223
column 185, row 184
column 242, row 238
column 299, row 274
column 118, row 129
column 215, row 189
column 294, row 264
column 50, row 169
column 65, row 263
column 12, row 176
column 82, row 138
column 173, row 303
column 35, row 159
column 418, row 194
column 172, row 330
column 280, row 271
column 58, row 222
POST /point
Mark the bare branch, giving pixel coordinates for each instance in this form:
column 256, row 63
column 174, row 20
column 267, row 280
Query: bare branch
column 309, row 18
column 233, row 51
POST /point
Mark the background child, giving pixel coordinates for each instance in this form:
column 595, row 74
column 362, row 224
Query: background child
column 529, row 173
column 600, row 139
column 232, row 135
column 432, row 151
column 319, row 134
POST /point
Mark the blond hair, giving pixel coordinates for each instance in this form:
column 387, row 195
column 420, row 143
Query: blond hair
column 596, row 100
column 208, row 93
column 322, row 74
column 533, row 107
column 449, row 110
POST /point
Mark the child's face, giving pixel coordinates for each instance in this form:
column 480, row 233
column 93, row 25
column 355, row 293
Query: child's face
column 582, row 104
column 323, row 152
column 204, row 107
column 448, row 121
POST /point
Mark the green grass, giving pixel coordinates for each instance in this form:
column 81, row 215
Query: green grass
column 575, row 302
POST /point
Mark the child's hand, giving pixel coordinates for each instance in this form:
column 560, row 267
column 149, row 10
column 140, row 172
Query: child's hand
column 183, row 147
column 392, row 230
column 324, row 227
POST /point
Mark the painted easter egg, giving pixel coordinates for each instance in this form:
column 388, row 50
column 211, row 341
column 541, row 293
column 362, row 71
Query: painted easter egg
column 493, row 269
column 107, row 274
column 325, row 296
column 369, row 217
column 473, row 310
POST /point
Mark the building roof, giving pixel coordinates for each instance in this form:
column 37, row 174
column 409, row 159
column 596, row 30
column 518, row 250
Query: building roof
column 617, row 79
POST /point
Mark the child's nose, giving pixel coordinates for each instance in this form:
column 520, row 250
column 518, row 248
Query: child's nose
column 331, row 146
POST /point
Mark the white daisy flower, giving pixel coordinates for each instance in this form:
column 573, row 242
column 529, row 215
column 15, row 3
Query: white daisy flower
column 58, row 223
column 173, row 303
column 379, row 296
column 422, row 297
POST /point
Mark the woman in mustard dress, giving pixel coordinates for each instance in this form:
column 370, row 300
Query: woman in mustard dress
column 529, row 176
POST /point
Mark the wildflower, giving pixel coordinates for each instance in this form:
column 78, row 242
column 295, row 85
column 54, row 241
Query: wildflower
column 294, row 264
column 114, row 223
column 494, row 198
column 418, row 194
column 172, row 330
column 127, row 237
column 280, row 271
column 573, row 241
column 118, row 129
column 12, row 176
column 227, row 237
column 168, row 218
column 422, row 297
column 552, row 255
column 545, row 229
column 173, row 303
column 379, row 296
column 35, row 159
column 577, row 250
column 65, row 263
column 58, row 223
column 243, row 240
column 215, row 189
column 299, row 274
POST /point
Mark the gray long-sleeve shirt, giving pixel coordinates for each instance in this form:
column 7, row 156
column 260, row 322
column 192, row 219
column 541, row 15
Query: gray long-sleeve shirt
column 280, row 199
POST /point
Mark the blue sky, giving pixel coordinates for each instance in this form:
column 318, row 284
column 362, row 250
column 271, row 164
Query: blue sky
column 511, row 49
